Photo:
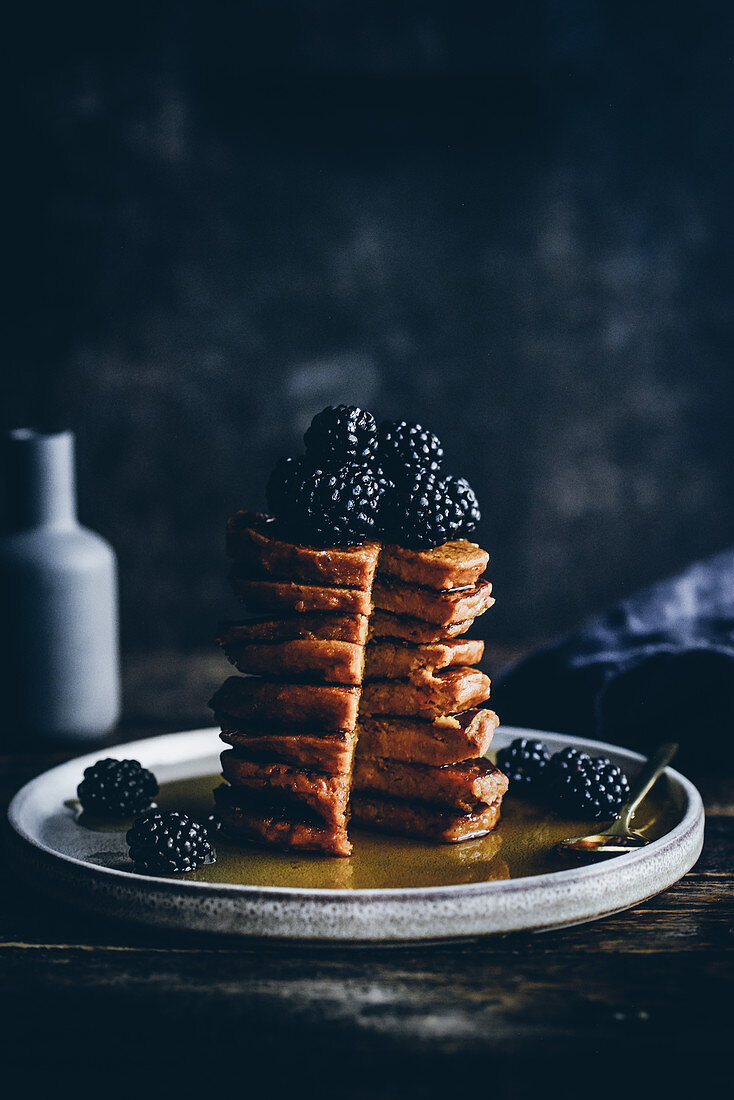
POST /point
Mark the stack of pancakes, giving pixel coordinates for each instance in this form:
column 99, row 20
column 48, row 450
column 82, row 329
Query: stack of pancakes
column 422, row 727
column 356, row 649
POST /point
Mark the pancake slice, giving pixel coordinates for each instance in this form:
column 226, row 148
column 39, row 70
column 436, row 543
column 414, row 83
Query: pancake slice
column 413, row 819
column 452, row 565
column 301, row 659
column 385, row 659
column 461, row 787
column 442, row 608
column 383, row 624
column 324, row 706
column 425, row 694
column 446, row 740
column 278, row 825
column 281, row 596
column 255, row 540
column 329, row 752
column 320, row 626
column 326, row 795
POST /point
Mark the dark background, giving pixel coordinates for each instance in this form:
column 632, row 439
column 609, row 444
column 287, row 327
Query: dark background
column 511, row 224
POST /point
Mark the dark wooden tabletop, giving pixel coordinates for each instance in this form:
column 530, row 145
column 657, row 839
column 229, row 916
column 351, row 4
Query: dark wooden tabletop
column 645, row 994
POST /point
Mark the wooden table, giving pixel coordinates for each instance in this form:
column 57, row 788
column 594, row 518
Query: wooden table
column 644, row 994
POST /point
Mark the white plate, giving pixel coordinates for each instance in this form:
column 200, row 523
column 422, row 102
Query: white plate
column 84, row 867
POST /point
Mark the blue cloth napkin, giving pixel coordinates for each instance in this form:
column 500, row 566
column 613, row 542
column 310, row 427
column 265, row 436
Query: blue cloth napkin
column 658, row 666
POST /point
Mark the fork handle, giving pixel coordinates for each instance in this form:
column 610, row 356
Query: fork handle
column 645, row 780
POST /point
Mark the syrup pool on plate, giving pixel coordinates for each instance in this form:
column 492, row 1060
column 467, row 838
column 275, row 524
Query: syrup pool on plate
column 522, row 844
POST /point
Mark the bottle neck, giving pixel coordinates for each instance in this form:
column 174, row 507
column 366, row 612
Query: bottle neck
column 41, row 483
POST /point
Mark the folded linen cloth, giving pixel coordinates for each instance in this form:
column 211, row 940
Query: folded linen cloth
column 658, row 666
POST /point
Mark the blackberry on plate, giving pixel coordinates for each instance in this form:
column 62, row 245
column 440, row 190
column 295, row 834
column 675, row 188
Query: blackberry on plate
column 524, row 762
column 406, row 447
column 116, row 788
column 586, row 787
column 168, row 841
column 423, row 513
column 341, row 433
column 338, row 507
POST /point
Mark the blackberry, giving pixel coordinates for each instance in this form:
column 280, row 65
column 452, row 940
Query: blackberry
column 166, row 842
column 581, row 786
column 116, row 788
column 466, row 496
column 423, row 512
column 404, row 447
column 327, row 507
column 339, row 434
column 283, row 484
column 385, row 483
column 524, row 762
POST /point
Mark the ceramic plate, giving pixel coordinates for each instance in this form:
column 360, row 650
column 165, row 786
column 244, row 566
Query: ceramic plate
column 390, row 890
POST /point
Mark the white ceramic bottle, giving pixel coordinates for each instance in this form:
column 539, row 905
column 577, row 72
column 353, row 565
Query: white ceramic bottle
column 59, row 665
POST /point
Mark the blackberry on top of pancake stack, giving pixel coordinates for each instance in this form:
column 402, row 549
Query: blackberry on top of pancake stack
column 368, row 582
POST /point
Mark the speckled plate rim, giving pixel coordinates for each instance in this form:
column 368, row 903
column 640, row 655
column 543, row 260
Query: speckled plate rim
column 535, row 903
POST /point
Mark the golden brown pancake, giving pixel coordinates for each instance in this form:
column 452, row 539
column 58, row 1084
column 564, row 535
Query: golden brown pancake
column 326, row 752
column 386, row 659
column 301, row 659
column 327, row 627
column 326, row 795
column 445, row 740
column 391, row 815
column 452, row 565
column 279, row 826
column 442, row 608
column 261, row 595
column 281, row 705
column 383, row 624
column 254, row 539
column 459, row 787
column 426, row 694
